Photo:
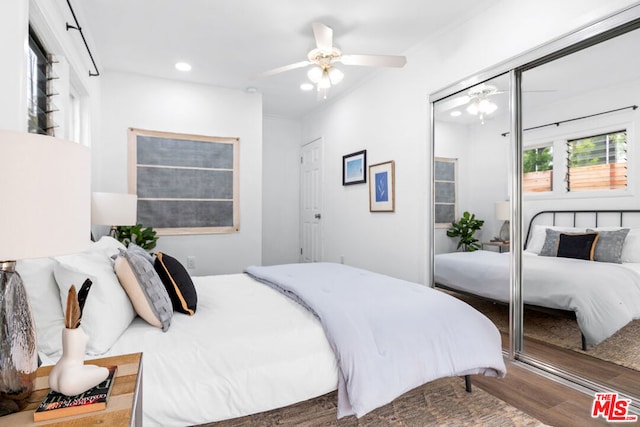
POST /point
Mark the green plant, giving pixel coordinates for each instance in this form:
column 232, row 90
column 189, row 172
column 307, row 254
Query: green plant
column 144, row 237
column 465, row 229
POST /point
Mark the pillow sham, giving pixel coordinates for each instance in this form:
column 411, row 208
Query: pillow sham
column 578, row 246
column 539, row 236
column 609, row 245
column 44, row 299
column 550, row 247
column 631, row 247
column 144, row 288
column 178, row 283
column 108, row 311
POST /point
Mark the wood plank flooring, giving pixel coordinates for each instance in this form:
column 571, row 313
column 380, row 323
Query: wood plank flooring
column 551, row 402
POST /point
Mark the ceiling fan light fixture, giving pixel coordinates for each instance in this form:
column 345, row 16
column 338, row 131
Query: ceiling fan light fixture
column 325, row 81
column 315, row 74
column 487, row 107
column 335, row 75
column 473, row 108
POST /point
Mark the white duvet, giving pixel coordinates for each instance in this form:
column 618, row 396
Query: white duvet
column 604, row 296
column 246, row 350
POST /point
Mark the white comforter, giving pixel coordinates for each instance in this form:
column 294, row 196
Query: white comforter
column 246, row 350
column 604, row 296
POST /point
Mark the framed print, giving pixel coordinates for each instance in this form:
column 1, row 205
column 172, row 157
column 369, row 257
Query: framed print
column 354, row 168
column 382, row 187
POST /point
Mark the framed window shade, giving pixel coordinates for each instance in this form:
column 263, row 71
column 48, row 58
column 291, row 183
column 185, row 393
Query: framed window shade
column 186, row 184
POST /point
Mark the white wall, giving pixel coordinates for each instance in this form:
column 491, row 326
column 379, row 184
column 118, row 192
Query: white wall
column 280, row 191
column 171, row 106
column 388, row 116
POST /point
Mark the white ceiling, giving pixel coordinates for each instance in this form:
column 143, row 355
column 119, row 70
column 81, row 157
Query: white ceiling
column 229, row 41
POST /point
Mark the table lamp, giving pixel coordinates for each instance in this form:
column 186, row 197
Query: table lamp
column 113, row 209
column 45, row 212
column 503, row 213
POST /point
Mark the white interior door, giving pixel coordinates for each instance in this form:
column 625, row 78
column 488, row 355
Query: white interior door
column 311, row 202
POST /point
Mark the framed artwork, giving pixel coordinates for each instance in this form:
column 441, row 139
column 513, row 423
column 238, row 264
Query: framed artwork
column 186, row 184
column 382, row 187
column 354, row 168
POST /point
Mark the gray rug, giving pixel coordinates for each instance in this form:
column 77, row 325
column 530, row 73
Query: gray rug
column 442, row 402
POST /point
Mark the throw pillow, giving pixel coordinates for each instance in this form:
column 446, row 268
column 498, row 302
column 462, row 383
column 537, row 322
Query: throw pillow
column 144, row 288
column 609, row 245
column 178, row 283
column 578, row 246
column 550, row 246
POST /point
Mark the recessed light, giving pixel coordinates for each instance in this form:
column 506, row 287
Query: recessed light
column 455, row 113
column 306, row 86
column 183, row 66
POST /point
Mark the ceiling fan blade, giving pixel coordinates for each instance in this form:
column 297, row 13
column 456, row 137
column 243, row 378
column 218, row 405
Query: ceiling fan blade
column 323, row 36
column 282, row 69
column 374, row 60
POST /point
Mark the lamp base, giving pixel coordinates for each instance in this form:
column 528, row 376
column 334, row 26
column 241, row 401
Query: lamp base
column 504, row 232
column 18, row 350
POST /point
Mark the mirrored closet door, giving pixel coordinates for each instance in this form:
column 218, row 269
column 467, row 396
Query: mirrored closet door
column 580, row 148
column 549, row 141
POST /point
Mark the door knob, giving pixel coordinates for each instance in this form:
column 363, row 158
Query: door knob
column 317, row 216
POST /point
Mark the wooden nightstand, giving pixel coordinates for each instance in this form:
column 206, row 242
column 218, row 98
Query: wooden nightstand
column 502, row 246
column 124, row 407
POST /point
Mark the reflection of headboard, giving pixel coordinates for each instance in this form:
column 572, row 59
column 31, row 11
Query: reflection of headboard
column 585, row 218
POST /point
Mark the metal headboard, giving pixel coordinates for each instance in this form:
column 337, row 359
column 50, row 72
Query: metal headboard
column 594, row 217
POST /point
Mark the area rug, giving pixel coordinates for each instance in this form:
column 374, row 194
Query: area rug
column 443, row 402
column 622, row 348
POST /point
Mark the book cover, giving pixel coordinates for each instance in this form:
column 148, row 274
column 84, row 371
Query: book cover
column 56, row 405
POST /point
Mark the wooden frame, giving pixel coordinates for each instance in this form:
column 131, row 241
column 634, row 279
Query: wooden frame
column 354, row 168
column 382, row 194
column 186, row 184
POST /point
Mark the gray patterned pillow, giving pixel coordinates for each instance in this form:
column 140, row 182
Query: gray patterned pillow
column 144, row 288
column 550, row 246
column 609, row 245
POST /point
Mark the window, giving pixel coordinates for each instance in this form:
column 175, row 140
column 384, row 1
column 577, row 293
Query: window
column 38, row 96
column 597, row 162
column 445, row 190
column 537, row 170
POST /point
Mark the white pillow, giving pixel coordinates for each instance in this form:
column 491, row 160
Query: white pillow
column 539, row 235
column 108, row 311
column 44, row 299
column 631, row 245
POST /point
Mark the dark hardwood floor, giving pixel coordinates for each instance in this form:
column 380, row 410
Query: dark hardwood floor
column 549, row 401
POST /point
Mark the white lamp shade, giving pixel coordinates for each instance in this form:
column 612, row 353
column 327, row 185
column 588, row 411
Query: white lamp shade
column 113, row 208
column 46, row 196
column 503, row 210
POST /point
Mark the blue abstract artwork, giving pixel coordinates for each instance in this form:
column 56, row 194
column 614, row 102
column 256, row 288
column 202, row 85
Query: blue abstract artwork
column 382, row 187
column 354, row 169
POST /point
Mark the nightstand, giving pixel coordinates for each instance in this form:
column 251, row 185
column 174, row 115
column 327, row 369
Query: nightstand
column 502, row 246
column 124, row 407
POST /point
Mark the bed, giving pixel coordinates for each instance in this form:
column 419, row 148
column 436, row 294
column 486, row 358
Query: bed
column 603, row 294
column 249, row 347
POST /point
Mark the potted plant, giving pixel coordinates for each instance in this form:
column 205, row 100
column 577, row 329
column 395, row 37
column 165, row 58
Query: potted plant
column 144, row 237
column 465, row 229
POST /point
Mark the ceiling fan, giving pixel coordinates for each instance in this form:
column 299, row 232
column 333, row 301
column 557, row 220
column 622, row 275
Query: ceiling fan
column 478, row 100
column 325, row 55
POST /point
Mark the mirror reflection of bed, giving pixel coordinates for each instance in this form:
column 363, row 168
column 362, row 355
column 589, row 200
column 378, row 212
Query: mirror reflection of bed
column 597, row 106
